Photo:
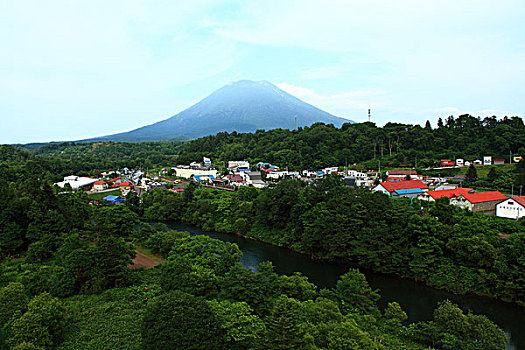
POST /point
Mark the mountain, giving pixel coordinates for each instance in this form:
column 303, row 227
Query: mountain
column 242, row 106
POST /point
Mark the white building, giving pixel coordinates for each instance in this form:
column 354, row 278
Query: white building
column 331, row 170
column 253, row 178
column 357, row 174
column 238, row 164
column 512, row 208
column 187, row 172
column 487, row 160
column 460, row 162
column 77, row 183
column 276, row 175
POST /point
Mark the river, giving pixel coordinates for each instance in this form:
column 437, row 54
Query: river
column 418, row 300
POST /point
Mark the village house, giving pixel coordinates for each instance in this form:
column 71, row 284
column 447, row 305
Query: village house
column 356, row 178
column 312, row 174
column 238, row 165
column 100, row 185
column 331, row 170
column 114, row 199
column 479, row 202
column 357, row 174
column 235, row 179
column 432, row 196
column 411, row 188
column 402, row 174
column 512, row 208
column 253, row 178
column 447, row 163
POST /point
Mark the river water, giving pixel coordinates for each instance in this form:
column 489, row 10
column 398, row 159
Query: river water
column 418, row 300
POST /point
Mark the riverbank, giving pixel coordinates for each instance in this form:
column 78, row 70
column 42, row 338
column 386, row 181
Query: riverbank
column 417, row 299
column 443, row 287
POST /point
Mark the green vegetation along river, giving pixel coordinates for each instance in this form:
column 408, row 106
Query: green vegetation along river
column 418, row 300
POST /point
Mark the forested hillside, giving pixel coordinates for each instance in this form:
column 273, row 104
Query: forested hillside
column 395, row 144
column 317, row 146
column 52, row 162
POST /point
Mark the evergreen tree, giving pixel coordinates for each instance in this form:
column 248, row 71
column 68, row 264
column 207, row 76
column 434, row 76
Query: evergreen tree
column 472, row 174
column 493, row 175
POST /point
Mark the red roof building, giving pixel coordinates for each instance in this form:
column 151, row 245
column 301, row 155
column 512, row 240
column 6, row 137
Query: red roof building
column 177, row 189
column 484, row 197
column 235, row 178
column 389, row 187
column 479, row 202
column 454, row 192
column 393, row 178
column 100, row 185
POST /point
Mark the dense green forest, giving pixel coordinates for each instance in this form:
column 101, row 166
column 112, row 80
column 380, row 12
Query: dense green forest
column 65, row 284
column 395, row 144
column 52, row 162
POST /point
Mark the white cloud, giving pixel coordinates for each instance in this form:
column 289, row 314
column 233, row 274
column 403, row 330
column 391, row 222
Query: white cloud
column 348, row 104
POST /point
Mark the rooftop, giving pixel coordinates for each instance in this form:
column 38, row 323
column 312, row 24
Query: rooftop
column 481, row 197
column 449, row 192
column 403, row 185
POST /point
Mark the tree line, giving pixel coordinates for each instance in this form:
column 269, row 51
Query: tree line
column 395, row 144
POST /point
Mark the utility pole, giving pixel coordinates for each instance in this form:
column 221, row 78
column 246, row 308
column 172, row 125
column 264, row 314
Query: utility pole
column 368, row 114
column 510, row 157
column 295, row 116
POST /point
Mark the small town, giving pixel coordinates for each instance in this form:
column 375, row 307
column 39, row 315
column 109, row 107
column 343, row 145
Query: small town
column 393, row 183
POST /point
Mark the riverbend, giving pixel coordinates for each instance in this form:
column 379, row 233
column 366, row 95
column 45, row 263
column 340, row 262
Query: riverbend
column 417, row 299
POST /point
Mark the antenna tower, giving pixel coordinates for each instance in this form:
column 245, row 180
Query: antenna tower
column 368, row 114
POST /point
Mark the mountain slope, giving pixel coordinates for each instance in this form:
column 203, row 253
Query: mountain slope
column 243, row 106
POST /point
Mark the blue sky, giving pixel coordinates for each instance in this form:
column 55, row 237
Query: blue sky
column 78, row 69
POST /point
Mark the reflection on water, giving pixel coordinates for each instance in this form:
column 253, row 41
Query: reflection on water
column 418, row 300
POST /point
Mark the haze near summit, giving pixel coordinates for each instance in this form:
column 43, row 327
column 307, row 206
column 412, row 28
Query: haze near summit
column 78, row 70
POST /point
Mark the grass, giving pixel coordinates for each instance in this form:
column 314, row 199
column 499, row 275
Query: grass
column 483, row 171
column 99, row 196
column 148, row 253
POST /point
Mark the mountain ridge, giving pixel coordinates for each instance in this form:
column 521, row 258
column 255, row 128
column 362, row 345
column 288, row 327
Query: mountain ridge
column 242, row 106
